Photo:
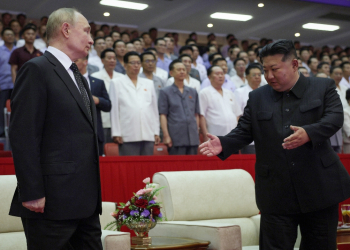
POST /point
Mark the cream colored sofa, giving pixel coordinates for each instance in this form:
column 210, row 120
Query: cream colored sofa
column 218, row 206
column 11, row 231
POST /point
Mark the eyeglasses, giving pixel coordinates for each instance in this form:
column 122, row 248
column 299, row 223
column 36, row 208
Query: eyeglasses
column 150, row 61
column 135, row 63
column 256, row 75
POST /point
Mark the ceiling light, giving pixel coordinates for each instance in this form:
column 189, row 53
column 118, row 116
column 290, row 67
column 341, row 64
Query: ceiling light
column 230, row 16
column 106, row 14
column 319, row 26
column 124, row 4
column 297, row 34
column 260, row 5
column 210, row 25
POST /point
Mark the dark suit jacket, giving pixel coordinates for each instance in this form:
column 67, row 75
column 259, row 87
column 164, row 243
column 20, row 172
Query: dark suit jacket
column 98, row 89
column 54, row 143
column 308, row 178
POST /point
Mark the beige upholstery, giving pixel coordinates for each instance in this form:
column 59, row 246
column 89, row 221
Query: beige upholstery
column 11, row 231
column 209, row 205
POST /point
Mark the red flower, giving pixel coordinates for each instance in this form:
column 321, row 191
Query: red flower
column 155, row 211
column 141, row 203
column 126, row 210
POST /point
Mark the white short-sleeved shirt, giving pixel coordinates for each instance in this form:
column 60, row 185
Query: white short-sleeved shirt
column 228, row 84
column 220, row 111
column 238, row 81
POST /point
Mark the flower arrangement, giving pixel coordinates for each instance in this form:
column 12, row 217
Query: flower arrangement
column 141, row 208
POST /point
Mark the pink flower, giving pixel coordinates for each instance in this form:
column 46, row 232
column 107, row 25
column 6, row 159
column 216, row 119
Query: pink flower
column 113, row 214
column 148, row 190
column 154, row 197
column 147, row 180
column 141, row 192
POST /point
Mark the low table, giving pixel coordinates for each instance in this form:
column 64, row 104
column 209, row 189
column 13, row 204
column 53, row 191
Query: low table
column 166, row 243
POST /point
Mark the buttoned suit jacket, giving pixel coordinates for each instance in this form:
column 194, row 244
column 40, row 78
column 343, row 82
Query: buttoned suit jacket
column 54, row 143
column 99, row 90
column 309, row 177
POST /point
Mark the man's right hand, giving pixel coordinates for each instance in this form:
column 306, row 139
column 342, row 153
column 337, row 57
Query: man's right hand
column 211, row 147
column 167, row 141
column 35, row 205
column 118, row 139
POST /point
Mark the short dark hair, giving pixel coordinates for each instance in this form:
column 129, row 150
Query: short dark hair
column 4, row 29
column 319, row 66
column 185, row 55
column 252, row 66
column 145, row 33
column 230, row 36
column 171, row 66
column 151, row 49
column 334, row 61
column 44, row 17
column 117, row 41
column 282, row 46
column 210, row 69
column 103, row 53
column 238, row 59
column 188, row 40
column 211, row 56
column 158, row 39
column 333, row 68
column 113, row 31
column 104, row 25
column 29, row 26
column 210, row 34
column 135, row 40
column 215, row 62
column 244, row 41
column 96, row 31
column 342, row 65
column 151, row 29
column 21, row 14
column 124, row 33
column 98, row 38
column 186, row 47
column 131, row 53
column 147, row 53
column 193, row 33
column 311, row 57
column 4, row 14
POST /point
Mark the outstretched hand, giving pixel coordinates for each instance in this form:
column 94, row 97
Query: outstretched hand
column 297, row 139
column 211, row 147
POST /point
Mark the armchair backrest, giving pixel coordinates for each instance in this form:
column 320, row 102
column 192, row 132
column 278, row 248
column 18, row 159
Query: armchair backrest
column 205, row 195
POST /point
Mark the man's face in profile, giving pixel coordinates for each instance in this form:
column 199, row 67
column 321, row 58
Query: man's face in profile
column 278, row 74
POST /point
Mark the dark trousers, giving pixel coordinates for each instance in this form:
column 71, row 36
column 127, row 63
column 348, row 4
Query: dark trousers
column 82, row 234
column 136, row 148
column 318, row 230
column 4, row 96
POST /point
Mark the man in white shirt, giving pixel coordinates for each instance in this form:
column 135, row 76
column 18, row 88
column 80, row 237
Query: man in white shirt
column 99, row 46
column 148, row 62
column 188, row 81
column 198, row 66
column 228, row 84
column 239, row 79
column 164, row 75
column 253, row 75
column 107, row 74
column 233, row 52
column 134, row 114
column 219, row 111
column 345, row 81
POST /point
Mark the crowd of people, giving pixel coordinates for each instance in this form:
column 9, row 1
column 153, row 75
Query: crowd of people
column 152, row 89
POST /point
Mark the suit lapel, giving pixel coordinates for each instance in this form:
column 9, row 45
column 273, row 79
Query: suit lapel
column 65, row 77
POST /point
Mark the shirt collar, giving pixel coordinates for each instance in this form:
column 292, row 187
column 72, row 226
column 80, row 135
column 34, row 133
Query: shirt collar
column 298, row 89
column 61, row 57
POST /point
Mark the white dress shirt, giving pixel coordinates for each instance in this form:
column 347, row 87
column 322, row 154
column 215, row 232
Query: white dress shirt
column 103, row 75
column 342, row 95
column 228, row 84
column 345, row 83
column 346, row 126
column 64, row 60
column 134, row 114
column 238, row 81
column 220, row 111
column 202, row 71
column 193, row 83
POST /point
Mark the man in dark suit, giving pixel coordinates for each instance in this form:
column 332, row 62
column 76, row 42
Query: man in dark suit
column 299, row 178
column 100, row 96
column 54, row 141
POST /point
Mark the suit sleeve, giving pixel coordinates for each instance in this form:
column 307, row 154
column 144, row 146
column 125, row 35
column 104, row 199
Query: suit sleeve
column 28, row 109
column 238, row 137
column 105, row 103
column 332, row 119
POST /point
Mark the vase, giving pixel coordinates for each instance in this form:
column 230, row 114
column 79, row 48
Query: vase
column 141, row 229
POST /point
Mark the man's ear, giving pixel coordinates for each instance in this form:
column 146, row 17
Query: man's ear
column 65, row 29
column 295, row 64
column 171, row 73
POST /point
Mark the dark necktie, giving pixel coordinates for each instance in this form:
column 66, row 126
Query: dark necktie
column 82, row 89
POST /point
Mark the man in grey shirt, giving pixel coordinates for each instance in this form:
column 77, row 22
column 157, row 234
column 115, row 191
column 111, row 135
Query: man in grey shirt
column 179, row 113
column 148, row 61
